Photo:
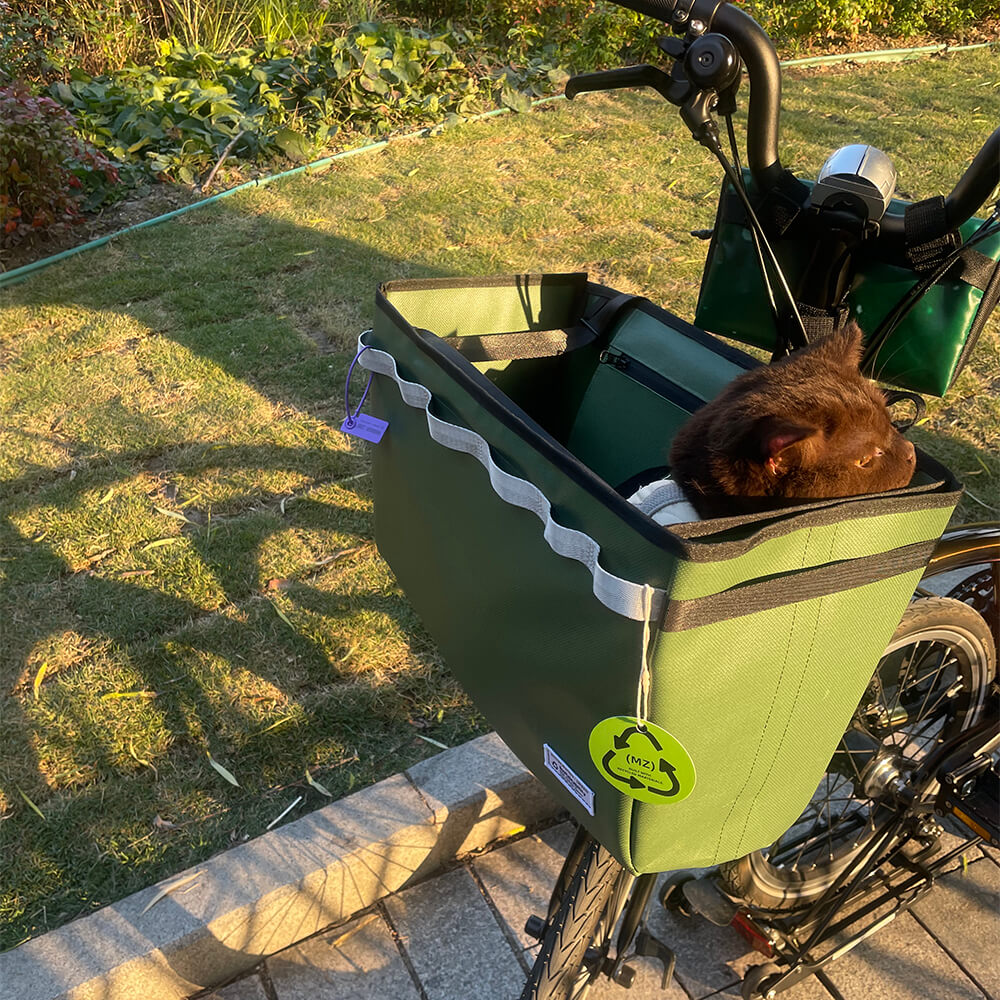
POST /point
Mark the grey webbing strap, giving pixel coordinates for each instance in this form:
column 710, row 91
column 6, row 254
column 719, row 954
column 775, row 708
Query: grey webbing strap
column 544, row 343
column 991, row 296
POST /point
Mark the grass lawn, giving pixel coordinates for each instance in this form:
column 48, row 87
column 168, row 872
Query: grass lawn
column 186, row 555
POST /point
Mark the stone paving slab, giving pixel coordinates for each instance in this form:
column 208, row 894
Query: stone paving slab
column 477, row 793
column 454, row 941
column 250, row 988
column 359, row 961
column 280, row 888
column 961, row 913
column 900, row 962
column 519, row 877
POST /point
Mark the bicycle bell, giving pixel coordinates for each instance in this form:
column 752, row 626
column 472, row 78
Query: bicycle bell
column 858, row 178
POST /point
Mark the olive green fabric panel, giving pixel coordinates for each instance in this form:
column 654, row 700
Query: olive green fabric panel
column 622, row 427
column 760, row 705
column 624, row 552
column 479, row 307
column 850, row 538
column 517, row 624
column 691, row 365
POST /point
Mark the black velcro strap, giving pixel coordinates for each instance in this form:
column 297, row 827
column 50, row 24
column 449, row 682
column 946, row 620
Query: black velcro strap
column 545, row 343
column 783, row 203
column 928, row 241
column 974, row 268
column 777, row 210
column 515, row 346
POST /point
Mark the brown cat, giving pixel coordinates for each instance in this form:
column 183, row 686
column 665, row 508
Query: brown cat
column 810, row 426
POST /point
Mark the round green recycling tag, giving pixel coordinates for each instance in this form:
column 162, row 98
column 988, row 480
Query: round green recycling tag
column 642, row 760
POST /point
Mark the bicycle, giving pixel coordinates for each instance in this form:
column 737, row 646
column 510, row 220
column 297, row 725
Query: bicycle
column 921, row 738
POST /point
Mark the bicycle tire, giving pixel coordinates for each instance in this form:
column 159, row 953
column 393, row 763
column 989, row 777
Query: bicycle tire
column 975, row 548
column 766, row 879
column 559, row 972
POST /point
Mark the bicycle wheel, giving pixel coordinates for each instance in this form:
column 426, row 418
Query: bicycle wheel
column 931, row 683
column 585, row 919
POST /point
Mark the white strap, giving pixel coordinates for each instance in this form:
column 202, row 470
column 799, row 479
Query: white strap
column 625, row 598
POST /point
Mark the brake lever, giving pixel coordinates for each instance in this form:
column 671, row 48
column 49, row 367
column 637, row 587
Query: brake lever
column 674, row 90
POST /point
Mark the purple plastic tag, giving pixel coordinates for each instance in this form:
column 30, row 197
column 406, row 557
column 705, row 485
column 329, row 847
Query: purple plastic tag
column 364, row 426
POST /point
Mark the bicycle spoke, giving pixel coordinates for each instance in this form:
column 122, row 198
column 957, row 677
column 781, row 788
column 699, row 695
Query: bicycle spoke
column 921, row 714
column 902, row 683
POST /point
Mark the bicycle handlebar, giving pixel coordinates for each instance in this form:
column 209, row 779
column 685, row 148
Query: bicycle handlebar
column 763, row 70
column 764, row 73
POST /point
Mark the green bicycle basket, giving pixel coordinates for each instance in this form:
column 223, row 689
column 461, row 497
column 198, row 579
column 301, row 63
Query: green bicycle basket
column 679, row 690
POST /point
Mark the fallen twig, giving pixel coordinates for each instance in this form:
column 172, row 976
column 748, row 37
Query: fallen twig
column 222, row 159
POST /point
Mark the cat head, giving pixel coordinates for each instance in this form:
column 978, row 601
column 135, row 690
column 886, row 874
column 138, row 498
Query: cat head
column 810, row 426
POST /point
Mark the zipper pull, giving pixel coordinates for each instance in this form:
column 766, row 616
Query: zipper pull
column 614, row 358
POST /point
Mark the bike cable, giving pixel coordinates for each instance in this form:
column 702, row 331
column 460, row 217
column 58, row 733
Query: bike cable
column 781, row 348
column 797, row 336
column 899, row 312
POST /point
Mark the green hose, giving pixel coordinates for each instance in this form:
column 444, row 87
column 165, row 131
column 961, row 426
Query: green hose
column 20, row 273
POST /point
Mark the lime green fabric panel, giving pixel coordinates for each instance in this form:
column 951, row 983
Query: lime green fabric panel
column 491, row 308
column 760, row 705
column 854, row 538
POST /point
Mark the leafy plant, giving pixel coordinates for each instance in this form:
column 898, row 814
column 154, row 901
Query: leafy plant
column 30, row 46
column 48, row 176
column 176, row 116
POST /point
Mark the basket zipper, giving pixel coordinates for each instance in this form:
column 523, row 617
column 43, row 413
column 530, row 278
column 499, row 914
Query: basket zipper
column 650, row 379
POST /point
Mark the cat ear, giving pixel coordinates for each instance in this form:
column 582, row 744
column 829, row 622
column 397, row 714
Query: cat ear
column 776, row 437
column 843, row 348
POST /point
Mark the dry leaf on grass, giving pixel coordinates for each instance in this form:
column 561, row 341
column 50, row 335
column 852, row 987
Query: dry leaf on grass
column 31, row 804
column 228, row 775
column 39, row 677
column 315, row 784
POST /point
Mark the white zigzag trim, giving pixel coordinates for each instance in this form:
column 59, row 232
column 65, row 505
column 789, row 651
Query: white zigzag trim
column 621, row 596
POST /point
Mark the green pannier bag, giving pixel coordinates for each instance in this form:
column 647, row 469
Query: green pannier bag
column 925, row 352
column 679, row 690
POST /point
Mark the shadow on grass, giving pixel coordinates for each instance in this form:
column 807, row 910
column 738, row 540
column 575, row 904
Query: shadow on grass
column 274, row 307
column 222, row 312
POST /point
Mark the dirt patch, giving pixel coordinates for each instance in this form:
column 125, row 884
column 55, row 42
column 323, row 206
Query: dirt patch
column 148, row 203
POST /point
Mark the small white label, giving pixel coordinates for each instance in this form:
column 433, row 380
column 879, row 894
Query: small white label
column 570, row 780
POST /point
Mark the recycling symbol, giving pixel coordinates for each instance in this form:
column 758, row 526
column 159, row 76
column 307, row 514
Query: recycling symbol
column 642, row 760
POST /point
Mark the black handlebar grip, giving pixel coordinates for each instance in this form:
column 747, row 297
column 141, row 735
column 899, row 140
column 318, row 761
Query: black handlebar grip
column 976, row 184
column 967, row 197
column 762, row 66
